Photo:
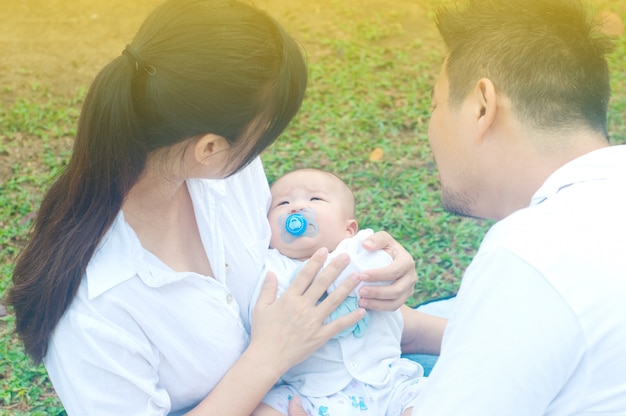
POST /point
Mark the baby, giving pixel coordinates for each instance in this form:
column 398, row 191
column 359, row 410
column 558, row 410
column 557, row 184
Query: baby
column 360, row 371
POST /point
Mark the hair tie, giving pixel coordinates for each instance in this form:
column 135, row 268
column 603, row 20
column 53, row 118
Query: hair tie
column 137, row 61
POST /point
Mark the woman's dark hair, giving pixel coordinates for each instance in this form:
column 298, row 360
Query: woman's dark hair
column 547, row 56
column 195, row 67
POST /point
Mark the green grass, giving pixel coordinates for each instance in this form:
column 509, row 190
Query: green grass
column 36, row 139
column 369, row 88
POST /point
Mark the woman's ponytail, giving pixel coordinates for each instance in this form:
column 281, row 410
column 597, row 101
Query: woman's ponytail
column 79, row 207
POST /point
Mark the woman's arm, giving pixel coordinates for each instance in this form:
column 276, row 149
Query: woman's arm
column 284, row 332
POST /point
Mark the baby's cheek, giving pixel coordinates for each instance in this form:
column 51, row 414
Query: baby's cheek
column 276, row 240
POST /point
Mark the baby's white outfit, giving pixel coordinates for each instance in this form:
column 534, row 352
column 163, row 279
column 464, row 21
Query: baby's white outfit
column 350, row 374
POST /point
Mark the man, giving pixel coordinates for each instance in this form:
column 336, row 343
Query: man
column 519, row 134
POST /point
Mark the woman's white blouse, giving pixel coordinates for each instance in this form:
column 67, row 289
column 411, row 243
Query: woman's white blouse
column 141, row 339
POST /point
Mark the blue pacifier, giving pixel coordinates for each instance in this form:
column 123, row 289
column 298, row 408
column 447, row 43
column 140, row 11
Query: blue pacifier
column 298, row 224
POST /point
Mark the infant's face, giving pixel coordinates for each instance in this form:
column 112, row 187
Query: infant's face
column 323, row 194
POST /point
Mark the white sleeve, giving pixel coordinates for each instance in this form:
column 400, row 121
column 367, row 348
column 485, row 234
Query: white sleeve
column 360, row 259
column 510, row 345
column 100, row 369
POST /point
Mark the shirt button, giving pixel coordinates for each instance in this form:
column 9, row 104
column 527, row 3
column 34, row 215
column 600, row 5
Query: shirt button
column 353, row 365
column 226, row 266
column 229, row 298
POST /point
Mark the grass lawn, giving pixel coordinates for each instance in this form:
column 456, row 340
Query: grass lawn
column 372, row 66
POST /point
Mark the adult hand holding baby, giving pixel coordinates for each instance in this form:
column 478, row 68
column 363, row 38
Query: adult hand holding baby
column 294, row 323
column 401, row 272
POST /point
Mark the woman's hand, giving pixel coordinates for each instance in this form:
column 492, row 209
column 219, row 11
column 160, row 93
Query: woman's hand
column 287, row 330
column 284, row 332
column 401, row 272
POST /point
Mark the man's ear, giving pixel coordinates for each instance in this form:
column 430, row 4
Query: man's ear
column 486, row 101
column 352, row 227
column 209, row 145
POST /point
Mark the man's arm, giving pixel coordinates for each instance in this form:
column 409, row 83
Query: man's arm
column 422, row 333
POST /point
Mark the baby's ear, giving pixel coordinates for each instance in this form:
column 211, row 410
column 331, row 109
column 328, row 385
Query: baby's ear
column 352, row 227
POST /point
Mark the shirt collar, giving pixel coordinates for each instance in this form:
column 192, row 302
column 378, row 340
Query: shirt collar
column 120, row 255
column 600, row 164
column 115, row 259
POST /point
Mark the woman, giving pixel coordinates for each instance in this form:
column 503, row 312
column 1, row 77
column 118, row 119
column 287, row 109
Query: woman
column 133, row 288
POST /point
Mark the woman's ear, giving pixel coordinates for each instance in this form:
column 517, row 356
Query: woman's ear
column 486, row 99
column 209, row 145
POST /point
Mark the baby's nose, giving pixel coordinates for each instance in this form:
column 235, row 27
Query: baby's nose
column 296, row 207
